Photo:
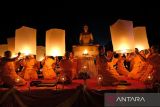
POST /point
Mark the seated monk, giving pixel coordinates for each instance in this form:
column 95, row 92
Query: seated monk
column 154, row 60
column 48, row 68
column 30, row 66
column 138, row 65
column 121, row 69
column 86, row 37
column 106, row 69
column 8, row 72
column 67, row 67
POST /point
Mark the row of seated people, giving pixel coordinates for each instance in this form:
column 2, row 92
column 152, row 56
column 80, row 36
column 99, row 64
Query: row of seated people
column 144, row 66
column 110, row 66
column 9, row 67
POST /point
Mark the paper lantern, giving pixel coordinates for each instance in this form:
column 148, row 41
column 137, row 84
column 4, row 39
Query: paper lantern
column 122, row 36
column 25, row 40
column 40, row 53
column 11, row 45
column 140, row 38
column 3, row 48
column 55, row 42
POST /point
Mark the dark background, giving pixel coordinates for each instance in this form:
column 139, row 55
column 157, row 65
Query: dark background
column 72, row 15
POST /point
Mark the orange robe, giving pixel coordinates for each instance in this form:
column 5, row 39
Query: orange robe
column 138, row 66
column 9, row 75
column 74, row 71
column 121, row 68
column 30, row 69
column 86, row 38
column 154, row 60
column 110, row 75
column 48, row 68
column 67, row 67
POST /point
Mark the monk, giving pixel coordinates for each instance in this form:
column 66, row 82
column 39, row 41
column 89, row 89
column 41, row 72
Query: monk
column 137, row 65
column 48, row 68
column 106, row 69
column 67, row 67
column 31, row 67
column 154, row 62
column 121, row 69
column 8, row 71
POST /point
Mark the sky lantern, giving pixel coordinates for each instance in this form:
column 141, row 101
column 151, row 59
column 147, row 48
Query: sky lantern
column 122, row 36
column 3, row 48
column 11, row 45
column 40, row 53
column 55, row 42
column 140, row 38
column 25, row 40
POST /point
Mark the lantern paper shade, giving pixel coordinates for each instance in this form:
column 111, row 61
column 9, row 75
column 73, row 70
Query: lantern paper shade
column 25, row 40
column 3, row 48
column 40, row 53
column 11, row 44
column 140, row 38
column 55, row 42
column 122, row 36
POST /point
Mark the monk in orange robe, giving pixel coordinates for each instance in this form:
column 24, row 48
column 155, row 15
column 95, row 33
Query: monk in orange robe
column 106, row 69
column 48, row 68
column 8, row 72
column 67, row 67
column 120, row 66
column 30, row 68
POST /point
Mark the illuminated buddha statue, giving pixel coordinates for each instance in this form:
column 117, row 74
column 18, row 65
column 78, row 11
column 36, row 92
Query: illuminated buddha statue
column 86, row 37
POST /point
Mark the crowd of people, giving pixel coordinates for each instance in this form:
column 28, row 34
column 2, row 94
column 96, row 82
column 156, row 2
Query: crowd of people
column 114, row 67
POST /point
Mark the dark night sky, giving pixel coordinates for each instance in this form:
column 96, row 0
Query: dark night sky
column 71, row 17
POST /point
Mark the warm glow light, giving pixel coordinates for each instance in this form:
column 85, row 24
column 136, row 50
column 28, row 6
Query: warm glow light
column 149, row 77
column 55, row 52
column 140, row 47
column 63, row 78
column 85, row 67
column 25, row 40
column 55, row 42
column 11, row 45
column 79, row 51
column 140, row 38
column 26, row 52
column 17, row 80
column 40, row 53
column 85, row 52
column 99, row 78
column 3, row 48
column 14, row 55
column 122, row 36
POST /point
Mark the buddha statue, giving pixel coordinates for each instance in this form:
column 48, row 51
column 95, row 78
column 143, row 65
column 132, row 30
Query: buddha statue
column 86, row 38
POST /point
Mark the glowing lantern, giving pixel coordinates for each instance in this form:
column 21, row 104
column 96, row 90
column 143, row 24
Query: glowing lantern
column 11, row 45
column 3, row 48
column 140, row 38
column 55, row 42
column 85, row 52
column 40, row 53
column 25, row 40
column 122, row 36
